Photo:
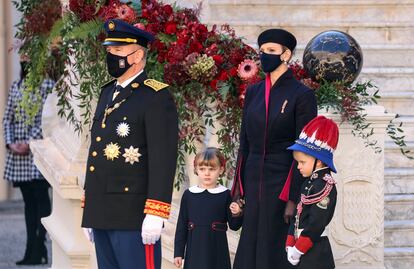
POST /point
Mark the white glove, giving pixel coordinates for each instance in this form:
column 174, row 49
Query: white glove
column 88, row 234
column 151, row 229
column 293, row 255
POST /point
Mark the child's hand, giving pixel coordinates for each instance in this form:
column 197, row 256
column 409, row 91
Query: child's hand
column 235, row 209
column 178, row 261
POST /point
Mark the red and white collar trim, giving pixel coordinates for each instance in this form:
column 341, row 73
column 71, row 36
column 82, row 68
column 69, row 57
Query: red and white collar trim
column 315, row 141
column 218, row 189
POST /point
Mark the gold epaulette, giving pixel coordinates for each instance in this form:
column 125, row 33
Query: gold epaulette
column 108, row 83
column 155, row 85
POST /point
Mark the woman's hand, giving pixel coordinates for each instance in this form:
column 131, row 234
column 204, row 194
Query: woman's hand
column 19, row 148
column 289, row 211
column 178, row 261
column 235, row 209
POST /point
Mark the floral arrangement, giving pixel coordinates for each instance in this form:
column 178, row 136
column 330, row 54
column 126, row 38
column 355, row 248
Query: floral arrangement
column 208, row 70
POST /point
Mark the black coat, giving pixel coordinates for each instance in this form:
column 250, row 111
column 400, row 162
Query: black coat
column 263, row 167
column 200, row 236
column 117, row 191
column 313, row 221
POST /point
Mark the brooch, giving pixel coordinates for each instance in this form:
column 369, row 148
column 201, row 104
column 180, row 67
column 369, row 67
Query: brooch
column 284, row 106
column 111, row 151
column 122, row 129
column 131, row 155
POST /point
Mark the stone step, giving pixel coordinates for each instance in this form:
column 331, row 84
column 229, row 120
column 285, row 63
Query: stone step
column 393, row 155
column 399, row 258
column 399, row 207
column 401, row 103
column 399, row 180
column 389, row 79
column 399, row 233
column 364, row 33
column 315, row 11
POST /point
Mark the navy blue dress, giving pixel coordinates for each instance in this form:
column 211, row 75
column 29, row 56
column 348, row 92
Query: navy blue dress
column 200, row 236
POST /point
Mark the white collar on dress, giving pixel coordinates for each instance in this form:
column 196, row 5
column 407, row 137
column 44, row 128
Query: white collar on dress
column 126, row 82
column 218, row 189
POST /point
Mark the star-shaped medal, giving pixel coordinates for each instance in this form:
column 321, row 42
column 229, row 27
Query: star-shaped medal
column 131, row 155
column 123, row 129
column 111, row 151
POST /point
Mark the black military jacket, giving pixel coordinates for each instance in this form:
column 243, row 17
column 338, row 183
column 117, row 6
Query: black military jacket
column 132, row 156
column 315, row 216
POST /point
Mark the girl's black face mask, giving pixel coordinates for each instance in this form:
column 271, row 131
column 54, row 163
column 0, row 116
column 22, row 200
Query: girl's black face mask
column 117, row 65
column 270, row 61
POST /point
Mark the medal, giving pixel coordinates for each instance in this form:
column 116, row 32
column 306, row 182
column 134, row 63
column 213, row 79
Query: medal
column 123, row 129
column 131, row 155
column 111, row 151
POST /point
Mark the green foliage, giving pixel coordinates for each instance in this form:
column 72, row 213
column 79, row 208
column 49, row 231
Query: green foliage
column 86, row 30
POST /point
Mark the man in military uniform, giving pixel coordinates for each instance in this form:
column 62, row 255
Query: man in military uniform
column 132, row 157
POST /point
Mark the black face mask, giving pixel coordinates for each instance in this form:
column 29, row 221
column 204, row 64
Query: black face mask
column 117, row 65
column 270, row 61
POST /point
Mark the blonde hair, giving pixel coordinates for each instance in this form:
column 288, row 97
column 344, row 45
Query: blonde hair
column 211, row 156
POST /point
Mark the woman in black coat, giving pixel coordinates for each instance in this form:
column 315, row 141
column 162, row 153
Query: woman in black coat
column 275, row 111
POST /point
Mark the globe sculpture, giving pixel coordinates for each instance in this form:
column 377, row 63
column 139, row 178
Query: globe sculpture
column 333, row 56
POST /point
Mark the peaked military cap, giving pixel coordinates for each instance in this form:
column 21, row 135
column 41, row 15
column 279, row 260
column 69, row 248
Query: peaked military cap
column 122, row 33
column 278, row 36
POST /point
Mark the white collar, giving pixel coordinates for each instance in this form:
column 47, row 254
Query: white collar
column 319, row 169
column 218, row 189
column 126, row 82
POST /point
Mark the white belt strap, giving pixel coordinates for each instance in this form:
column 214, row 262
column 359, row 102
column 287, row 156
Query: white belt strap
column 324, row 233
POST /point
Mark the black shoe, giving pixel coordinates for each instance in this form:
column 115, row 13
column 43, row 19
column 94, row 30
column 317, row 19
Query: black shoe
column 38, row 256
column 35, row 261
column 22, row 261
column 26, row 257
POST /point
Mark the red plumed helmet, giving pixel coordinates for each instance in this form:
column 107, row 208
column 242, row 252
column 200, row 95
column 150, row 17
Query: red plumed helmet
column 319, row 139
column 324, row 130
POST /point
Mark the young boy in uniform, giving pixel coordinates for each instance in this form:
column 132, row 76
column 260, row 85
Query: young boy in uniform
column 307, row 243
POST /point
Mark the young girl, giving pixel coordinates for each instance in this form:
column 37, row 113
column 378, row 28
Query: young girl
column 204, row 213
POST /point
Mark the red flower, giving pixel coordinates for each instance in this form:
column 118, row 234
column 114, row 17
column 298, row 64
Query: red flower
column 213, row 84
column 233, row 72
column 236, row 56
column 195, row 46
column 183, row 40
column 223, row 76
column 176, row 53
column 41, row 18
column 126, row 13
column 212, row 50
column 158, row 45
column 218, row 59
column 170, row 28
column 168, row 10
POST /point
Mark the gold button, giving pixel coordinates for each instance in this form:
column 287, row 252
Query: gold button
column 98, row 139
column 103, row 125
column 94, row 154
column 126, row 189
column 125, row 118
column 91, row 168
